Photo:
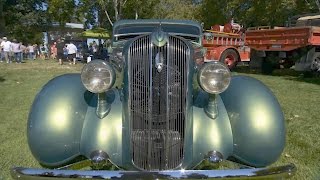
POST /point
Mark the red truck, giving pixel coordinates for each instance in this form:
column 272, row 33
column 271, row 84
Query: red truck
column 299, row 45
column 287, row 46
column 226, row 44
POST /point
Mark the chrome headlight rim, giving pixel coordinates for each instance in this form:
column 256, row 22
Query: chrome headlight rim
column 97, row 70
column 219, row 67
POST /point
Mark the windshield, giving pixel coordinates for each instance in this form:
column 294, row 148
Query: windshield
column 128, row 31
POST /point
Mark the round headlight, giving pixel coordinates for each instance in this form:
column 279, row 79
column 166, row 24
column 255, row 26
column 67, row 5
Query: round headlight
column 98, row 76
column 214, row 77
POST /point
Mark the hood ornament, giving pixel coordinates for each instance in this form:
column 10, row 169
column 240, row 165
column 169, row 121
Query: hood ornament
column 159, row 37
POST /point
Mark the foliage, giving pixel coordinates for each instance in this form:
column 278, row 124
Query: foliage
column 98, row 12
column 22, row 19
column 101, row 13
column 89, row 10
column 61, row 11
column 25, row 19
column 214, row 12
column 176, row 9
column 254, row 12
column 142, row 9
column 2, row 21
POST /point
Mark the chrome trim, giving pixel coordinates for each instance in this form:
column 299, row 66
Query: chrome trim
column 128, row 34
column 212, row 108
column 103, row 107
column 145, row 33
column 157, row 102
column 279, row 172
column 159, row 38
column 214, row 157
column 99, row 158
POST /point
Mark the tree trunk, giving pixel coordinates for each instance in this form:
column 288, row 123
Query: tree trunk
column 116, row 12
column 101, row 18
column 318, row 4
column 2, row 21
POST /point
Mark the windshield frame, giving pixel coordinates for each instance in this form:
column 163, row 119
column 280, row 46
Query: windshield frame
column 131, row 28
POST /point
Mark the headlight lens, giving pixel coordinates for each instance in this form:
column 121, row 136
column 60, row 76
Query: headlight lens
column 214, row 77
column 98, row 76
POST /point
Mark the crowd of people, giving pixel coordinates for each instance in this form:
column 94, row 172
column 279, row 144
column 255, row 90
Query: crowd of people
column 17, row 51
column 61, row 50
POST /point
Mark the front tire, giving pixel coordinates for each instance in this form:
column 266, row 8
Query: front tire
column 230, row 58
column 315, row 64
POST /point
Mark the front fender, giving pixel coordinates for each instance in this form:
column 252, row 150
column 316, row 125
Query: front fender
column 257, row 121
column 210, row 134
column 104, row 134
column 56, row 119
column 63, row 123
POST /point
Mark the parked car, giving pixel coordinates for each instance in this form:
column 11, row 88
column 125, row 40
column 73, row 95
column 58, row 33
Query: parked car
column 155, row 111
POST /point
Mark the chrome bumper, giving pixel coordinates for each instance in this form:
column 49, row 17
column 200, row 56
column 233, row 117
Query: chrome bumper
column 279, row 172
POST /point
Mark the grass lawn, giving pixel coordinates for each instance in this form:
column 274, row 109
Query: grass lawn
column 299, row 97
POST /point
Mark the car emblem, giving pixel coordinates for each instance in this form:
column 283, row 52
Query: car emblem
column 159, row 61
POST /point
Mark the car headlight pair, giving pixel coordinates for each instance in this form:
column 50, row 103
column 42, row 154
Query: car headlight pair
column 214, row 77
column 98, row 76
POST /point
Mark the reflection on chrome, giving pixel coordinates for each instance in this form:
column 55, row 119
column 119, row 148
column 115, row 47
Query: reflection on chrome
column 279, row 172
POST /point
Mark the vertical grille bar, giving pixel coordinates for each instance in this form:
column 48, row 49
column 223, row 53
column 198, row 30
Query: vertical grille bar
column 157, row 100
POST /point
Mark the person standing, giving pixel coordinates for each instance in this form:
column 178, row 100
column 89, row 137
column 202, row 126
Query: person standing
column 23, row 49
column 1, row 54
column 104, row 53
column 6, row 48
column 36, row 51
column 16, row 51
column 60, row 49
column 53, row 50
column 72, row 50
column 43, row 51
column 30, row 50
column 94, row 50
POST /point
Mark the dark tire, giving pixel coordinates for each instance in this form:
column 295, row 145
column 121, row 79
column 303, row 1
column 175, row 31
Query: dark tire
column 255, row 60
column 267, row 67
column 230, row 58
column 315, row 63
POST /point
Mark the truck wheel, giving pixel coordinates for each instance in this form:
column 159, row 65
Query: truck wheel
column 266, row 67
column 255, row 60
column 230, row 58
column 315, row 64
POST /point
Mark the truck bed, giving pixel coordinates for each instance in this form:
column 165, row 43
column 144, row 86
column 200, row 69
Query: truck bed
column 282, row 39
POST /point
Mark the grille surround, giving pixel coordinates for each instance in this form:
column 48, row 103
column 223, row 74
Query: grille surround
column 157, row 102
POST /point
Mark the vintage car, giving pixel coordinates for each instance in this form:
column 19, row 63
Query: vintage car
column 155, row 111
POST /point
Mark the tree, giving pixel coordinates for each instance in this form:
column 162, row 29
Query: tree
column 61, row 11
column 101, row 13
column 22, row 19
column 176, row 9
column 115, row 10
column 2, row 21
column 214, row 12
column 254, row 12
column 142, row 9
column 165, row 9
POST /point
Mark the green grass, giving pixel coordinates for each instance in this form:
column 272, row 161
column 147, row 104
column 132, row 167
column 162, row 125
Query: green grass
column 298, row 95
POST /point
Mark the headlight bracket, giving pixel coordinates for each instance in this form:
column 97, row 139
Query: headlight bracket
column 212, row 108
column 103, row 107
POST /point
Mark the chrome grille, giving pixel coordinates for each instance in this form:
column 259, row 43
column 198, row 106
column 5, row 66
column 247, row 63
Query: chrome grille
column 157, row 102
